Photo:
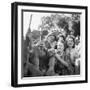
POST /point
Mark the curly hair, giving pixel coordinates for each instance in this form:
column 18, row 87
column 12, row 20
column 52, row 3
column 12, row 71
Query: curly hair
column 67, row 39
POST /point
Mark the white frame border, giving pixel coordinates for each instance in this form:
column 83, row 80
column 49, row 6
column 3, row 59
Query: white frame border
column 51, row 78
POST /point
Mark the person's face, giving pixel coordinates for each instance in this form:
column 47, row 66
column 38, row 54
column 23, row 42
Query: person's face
column 54, row 44
column 60, row 39
column 50, row 38
column 60, row 46
column 70, row 42
column 70, row 25
column 77, row 42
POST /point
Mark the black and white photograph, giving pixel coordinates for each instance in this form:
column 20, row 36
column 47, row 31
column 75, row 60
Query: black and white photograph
column 51, row 44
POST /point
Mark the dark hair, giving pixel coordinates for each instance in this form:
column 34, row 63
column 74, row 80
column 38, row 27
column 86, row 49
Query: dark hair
column 55, row 38
column 62, row 37
column 73, row 41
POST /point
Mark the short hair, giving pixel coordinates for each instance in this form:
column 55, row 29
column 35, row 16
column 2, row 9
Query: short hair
column 62, row 37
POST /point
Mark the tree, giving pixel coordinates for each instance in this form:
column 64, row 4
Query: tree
column 76, row 24
column 61, row 23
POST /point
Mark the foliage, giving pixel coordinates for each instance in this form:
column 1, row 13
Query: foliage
column 60, row 21
column 55, row 23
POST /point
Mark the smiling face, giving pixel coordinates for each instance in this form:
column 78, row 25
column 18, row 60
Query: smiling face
column 51, row 38
column 70, row 42
column 60, row 46
column 61, row 39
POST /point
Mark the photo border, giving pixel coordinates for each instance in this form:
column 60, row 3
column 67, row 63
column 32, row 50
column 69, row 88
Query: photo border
column 14, row 42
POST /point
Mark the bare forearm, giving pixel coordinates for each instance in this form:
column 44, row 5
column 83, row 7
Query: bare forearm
column 61, row 60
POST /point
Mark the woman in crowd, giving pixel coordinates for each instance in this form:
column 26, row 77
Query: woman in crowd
column 71, row 53
column 61, row 65
column 57, row 58
column 53, row 56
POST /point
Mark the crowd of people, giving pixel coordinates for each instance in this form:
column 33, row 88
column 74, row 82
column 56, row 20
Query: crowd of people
column 55, row 55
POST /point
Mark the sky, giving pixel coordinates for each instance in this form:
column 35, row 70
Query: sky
column 35, row 22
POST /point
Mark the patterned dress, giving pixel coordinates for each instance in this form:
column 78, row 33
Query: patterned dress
column 70, row 59
column 60, row 67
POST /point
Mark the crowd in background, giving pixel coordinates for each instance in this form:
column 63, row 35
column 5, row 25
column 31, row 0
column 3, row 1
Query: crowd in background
column 54, row 55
